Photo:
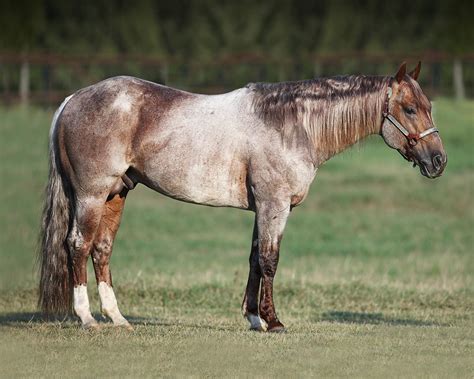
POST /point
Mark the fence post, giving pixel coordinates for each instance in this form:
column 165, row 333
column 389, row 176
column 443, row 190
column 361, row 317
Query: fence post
column 24, row 82
column 316, row 70
column 165, row 74
column 3, row 69
column 459, row 91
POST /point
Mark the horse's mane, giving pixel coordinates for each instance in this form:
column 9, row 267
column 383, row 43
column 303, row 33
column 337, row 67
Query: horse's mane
column 332, row 113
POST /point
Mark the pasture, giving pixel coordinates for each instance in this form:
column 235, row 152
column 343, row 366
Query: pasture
column 375, row 276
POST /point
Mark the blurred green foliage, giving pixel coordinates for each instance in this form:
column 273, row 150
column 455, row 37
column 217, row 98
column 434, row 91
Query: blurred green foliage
column 198, row 30
column 211, row 46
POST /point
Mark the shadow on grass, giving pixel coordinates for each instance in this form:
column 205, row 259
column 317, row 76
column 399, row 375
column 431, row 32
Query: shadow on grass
column 145, row 321
column 372, row 318
column 21, row 319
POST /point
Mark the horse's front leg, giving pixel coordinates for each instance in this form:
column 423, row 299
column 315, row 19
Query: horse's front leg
column 250, row 303
column 271, row 221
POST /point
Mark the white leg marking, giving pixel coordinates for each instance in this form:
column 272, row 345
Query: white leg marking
column 256, row 323
column 81, row 306
column 109, row 305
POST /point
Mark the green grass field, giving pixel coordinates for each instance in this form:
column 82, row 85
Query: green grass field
column 376, row 276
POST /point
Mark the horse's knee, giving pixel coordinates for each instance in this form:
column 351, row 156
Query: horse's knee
column 269, row 256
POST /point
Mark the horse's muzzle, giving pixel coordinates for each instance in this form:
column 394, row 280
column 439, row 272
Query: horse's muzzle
column 434, row 166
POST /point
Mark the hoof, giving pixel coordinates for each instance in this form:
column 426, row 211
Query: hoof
column 256, row 323
column 276, row 327
column 118, row 320
column 125, row 325
column 258, row 329
column 91, row 325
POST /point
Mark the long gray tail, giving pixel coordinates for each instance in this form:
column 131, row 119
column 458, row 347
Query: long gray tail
column 55, row 287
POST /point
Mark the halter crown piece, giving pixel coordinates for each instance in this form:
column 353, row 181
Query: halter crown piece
column 412, row 138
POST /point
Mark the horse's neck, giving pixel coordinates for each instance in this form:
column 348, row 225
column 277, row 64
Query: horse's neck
column 342, row 123
column 325, row 116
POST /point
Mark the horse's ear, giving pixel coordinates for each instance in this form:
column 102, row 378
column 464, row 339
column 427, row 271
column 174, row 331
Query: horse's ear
column 416, row 72
column 401, row 72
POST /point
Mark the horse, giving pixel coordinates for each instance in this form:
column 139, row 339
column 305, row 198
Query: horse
column 257, row 148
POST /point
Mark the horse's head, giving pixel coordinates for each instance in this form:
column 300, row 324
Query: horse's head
column 408, row 126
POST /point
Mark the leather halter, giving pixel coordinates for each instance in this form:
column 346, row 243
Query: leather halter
column 412, row 138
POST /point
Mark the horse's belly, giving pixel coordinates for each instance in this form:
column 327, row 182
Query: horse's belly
column 203, row 182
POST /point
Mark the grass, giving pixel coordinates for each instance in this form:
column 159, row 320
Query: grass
column 375, row 277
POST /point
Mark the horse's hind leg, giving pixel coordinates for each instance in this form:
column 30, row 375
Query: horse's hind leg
column 101, row 253
column 88, row 212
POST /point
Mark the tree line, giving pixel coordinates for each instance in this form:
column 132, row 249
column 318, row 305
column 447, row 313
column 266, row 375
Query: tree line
column 196, row 33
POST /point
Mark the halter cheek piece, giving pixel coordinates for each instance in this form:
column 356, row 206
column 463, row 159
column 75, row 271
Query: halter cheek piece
column 412, row 138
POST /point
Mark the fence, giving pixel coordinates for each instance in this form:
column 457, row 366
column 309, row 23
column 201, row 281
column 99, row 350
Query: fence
column 47, row 78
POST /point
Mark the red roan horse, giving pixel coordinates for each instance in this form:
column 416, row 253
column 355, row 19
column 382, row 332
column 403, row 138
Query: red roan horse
column 256, row 148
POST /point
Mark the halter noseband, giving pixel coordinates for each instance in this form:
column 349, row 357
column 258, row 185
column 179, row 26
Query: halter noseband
column 412, row 138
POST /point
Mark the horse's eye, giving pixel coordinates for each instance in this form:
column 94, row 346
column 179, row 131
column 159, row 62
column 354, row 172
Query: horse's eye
column 410, row 110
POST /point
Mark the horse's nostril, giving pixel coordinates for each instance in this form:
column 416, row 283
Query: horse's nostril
column 437, row 161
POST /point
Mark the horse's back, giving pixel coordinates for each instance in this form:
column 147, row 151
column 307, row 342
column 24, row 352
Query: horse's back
column 187, row 146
